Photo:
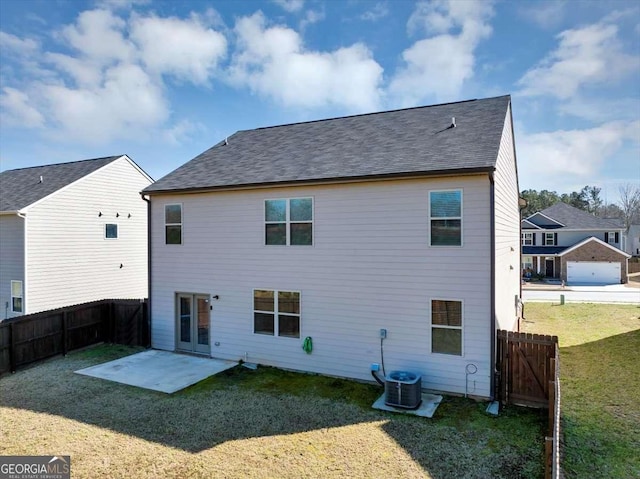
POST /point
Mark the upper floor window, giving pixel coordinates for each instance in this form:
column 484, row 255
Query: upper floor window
column 527, row 239
column 16, row 297
column 611, row 237
column 445, row 214
column 446, row 327
column 173, row 224
column 288, row 221
column 111, row 231
column 276, row 313
column 550, row 239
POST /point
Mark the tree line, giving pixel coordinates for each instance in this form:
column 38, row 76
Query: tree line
column 588, row 199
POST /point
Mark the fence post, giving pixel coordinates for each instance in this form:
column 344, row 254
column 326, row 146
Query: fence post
column 548, row 456
column 552, row 395
column 65, row 333
column 12, row 348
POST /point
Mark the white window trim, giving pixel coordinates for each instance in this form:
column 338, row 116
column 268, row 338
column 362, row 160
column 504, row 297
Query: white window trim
column 288, row 221
column 117, row 231
column 461, row 327
column 527, row 236
column 276, row 313
column 21, row 295
column 448, row 217
column 553, row 239
column 612, row 237
column 181, row 224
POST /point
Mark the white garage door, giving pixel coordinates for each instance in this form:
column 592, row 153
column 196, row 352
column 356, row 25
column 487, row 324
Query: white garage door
column 593, row 272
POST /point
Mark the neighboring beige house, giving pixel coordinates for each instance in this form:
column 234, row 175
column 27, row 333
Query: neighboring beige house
column 572, row 245
column 405, row 221
column 71, row 233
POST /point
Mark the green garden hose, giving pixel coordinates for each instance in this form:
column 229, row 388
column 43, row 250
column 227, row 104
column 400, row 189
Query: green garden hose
column 307, row 345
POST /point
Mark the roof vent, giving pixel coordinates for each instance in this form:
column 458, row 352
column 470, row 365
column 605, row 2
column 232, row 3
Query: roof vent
column 226, row 142
column 41, row 179
column 453, row 122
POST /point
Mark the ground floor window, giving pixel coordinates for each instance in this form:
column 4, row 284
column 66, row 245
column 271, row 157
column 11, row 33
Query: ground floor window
column 276, row 313
column 527, row 266
column 16, row 297
column 446, row 327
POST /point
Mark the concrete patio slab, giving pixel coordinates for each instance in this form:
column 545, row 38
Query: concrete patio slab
column 162, row 371
column 427, row 408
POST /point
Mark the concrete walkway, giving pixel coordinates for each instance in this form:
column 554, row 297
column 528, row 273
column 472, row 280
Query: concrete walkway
column 162, row 371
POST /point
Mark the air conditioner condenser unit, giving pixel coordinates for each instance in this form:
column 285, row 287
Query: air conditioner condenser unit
column 403, row 389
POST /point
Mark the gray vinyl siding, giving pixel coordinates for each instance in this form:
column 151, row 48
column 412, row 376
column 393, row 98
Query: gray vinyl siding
column 69, row 259
column 11, row 260
column 507, row 231
column 569, row 238
column 370, row 267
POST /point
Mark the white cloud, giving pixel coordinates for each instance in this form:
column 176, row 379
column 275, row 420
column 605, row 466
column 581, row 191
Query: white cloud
column 17, row 111
column 439, row 65
column 12, row 44
column 110, row 82
column 379, row 10
column 99, row 36
column 187, row 49
column 181, row 132
column 273, row 62
column 584, row 56
column 545, row 14
column 128, row 104
column 290, row 6
column 311, row 17
column 572, row 155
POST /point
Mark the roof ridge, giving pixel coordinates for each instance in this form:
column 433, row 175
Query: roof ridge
column 64, row 163
column 376, row 113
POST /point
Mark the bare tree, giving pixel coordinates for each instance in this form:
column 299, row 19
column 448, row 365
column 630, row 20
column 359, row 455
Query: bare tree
column 630, row 203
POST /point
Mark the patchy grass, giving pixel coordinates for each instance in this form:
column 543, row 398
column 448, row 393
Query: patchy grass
column 600, row 380
column 255, row 424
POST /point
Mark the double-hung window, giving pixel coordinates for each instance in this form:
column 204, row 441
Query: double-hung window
column 611, row 237
column 527, row 239
column 288, row 221
column 549, row 239
column 446, row 327
column 173, row 224
column 17, row 297
column 276, row 313
column 445, row 214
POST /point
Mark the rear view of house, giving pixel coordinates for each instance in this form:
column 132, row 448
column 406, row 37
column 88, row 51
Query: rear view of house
column 72, row 233
column 318, row 246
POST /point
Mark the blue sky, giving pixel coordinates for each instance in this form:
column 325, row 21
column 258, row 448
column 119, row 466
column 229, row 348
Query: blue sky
column 163, row 81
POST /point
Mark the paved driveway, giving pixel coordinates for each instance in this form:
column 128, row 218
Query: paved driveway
column 612, row 293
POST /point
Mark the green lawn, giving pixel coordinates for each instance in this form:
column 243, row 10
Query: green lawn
column 266, row 423
column 600, row 385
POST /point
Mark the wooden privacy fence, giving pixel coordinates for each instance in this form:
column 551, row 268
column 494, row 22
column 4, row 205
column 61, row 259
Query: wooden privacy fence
column 525, row 367
column 529, row 375
column 30, row 338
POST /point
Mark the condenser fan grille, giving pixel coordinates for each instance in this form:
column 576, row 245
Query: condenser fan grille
column 403, row 389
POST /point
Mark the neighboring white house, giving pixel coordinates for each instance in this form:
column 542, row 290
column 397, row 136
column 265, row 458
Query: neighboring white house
column 575, row 246
column 71, row 233
column 333, row 230
column 633, row 240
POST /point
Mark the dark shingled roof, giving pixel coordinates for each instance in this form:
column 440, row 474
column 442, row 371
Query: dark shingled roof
column 20, row 188
column 574, row 218
column 401, row 142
